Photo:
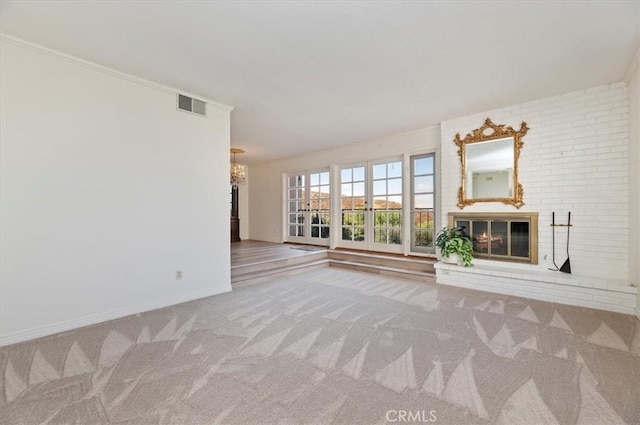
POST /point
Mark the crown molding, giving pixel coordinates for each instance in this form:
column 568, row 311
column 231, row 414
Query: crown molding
column 106, row 70
column 633, row 67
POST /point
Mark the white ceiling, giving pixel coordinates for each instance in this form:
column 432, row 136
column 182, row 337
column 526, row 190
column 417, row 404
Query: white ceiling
column 306, row 76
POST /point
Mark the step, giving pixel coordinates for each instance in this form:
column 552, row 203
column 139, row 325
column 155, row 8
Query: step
column 421, row 264
column 267, row 274
column 414, row 268
column 403, row 273
column 266, row 266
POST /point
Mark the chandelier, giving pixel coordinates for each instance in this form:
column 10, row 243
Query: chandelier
column 238, row 172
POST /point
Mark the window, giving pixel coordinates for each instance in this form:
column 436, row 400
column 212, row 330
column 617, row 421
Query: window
column 297, row 202
column 354, row 204
column 309, row 207
column 372, row 209
column 423, row 203
column 387, row 203
column 319, row 207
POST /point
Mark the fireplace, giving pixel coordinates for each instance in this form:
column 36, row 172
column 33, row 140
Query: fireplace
column 501, row 236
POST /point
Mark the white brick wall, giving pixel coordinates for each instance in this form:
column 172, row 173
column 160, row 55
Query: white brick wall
column 575, row 158
column 603, row 294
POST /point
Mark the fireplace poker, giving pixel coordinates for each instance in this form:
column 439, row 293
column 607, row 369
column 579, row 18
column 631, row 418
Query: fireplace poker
column 566, row 267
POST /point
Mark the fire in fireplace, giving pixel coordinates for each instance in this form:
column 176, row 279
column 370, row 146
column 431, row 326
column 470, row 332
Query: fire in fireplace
column 501, row 236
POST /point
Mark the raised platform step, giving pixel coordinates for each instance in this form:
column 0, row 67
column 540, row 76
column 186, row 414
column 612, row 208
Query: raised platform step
column 421, row 276
column 571, row 289
column 266, row 274
column 419, row 264
column 414, row 268
column 265, row 267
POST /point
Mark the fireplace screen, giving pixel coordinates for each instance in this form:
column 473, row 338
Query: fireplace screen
column 503, row 236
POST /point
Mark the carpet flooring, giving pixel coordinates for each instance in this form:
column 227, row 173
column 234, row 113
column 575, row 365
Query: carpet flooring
column 332, row 346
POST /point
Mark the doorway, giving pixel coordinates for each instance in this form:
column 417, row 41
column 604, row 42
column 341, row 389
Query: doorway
column 371, row 206
column 309, row 208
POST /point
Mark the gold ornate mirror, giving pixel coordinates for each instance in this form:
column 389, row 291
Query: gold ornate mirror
column 489, row 157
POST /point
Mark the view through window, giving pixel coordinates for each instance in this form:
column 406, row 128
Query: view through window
column 372, row 208
column 423, row 203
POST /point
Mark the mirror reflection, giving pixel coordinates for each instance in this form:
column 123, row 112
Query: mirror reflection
column 490, row 169
column 489, row 158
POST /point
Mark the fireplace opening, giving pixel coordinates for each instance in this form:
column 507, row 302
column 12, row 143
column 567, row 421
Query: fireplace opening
column 501, row 236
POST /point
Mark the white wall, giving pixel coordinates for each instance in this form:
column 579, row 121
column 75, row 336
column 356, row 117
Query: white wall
column 106, row 191
column 265, row 190
column 634, row 176
column 574, row 159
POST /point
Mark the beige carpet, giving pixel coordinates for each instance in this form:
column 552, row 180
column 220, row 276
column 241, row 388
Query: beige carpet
column 334, row 346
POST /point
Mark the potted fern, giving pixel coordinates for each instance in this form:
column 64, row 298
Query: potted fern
column 455, row 246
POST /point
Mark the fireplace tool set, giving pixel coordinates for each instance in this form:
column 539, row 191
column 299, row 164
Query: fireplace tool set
column 566, row 267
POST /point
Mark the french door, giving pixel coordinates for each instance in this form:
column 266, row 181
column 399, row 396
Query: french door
column 309, row 207
column 354, row 207
column 371, row 206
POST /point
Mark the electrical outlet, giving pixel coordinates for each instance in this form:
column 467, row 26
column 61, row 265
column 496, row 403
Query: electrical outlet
column 178, row 274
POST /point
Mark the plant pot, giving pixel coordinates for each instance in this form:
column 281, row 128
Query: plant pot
column 453, row 258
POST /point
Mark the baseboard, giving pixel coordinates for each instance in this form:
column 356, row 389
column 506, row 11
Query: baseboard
column 93, row 319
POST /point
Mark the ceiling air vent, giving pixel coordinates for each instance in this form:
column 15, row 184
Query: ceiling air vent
column 195, row 106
